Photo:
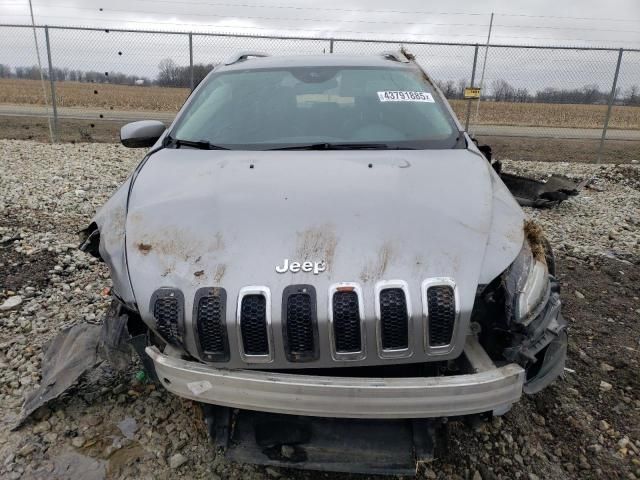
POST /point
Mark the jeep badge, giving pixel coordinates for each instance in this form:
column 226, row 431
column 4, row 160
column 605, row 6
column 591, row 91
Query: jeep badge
column 295, row 267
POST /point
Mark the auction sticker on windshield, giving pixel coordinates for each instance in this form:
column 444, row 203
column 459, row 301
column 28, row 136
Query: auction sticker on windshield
column 400, row 96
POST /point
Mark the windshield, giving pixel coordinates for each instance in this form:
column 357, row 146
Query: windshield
column 264, row 109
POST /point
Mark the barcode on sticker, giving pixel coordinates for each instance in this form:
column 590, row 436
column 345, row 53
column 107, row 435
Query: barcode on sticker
column 403, row 96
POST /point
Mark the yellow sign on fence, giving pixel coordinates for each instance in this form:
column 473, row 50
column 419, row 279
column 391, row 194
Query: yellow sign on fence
column 471, row 92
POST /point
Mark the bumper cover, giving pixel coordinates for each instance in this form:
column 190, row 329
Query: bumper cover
column 489, row 389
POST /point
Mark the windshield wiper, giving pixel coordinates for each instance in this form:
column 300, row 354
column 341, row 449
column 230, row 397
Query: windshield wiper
column 342, row 146
column 200, row 144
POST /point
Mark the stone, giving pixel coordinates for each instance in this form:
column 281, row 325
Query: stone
column 77, row 442
column 605, row 386
column 177, row 460
column 579, row 295
column 42, row 427
column 538, row 419
column 287, row 451
column 595, row 448
column 11, row 303
column 26, row 450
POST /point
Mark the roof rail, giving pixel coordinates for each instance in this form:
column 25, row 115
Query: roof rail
column 242, row 56
column 395, row 56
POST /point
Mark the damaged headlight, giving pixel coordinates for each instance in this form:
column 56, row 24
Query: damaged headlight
column 527, row 287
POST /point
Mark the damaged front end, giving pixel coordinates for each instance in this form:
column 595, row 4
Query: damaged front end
column 518, row 314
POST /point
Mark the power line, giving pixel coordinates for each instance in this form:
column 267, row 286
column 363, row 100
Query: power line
column 522, row 37
column 356, row 10
column 539, row 27
column 257, row 17
column 598, row 19
column 332, row 31
column 274, row 28
column 297, row 7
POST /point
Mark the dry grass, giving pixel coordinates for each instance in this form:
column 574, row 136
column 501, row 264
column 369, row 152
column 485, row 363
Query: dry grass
column 124, row 97
column 535, row 237
column 77, row 94
column 550, row 115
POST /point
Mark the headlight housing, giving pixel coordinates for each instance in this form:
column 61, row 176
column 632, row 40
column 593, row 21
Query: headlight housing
column 527, row 287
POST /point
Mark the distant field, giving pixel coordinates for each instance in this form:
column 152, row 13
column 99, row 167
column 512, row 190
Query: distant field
column 123, row 97
column 550, row 115
column 78, row 94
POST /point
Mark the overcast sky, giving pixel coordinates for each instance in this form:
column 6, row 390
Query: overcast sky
column 586, row 22
column 610, row 23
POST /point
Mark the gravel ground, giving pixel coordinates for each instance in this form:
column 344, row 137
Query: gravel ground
column 585, row 426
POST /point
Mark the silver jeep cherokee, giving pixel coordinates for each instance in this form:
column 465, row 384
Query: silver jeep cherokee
column 317, row 252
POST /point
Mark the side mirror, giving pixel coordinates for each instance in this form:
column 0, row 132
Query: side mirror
column 141, row 134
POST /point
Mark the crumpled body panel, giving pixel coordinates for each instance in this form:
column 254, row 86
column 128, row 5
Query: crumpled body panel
column 226, row 219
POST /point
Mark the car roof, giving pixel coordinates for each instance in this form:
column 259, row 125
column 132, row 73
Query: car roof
column 239, row 62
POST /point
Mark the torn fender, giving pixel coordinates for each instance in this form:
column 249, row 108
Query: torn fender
column 105, row 239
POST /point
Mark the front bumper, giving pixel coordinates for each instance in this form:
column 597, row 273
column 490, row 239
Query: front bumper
column 489, row 389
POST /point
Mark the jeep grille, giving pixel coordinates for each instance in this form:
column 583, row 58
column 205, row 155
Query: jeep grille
column 167, row 311
column 442, row 314
column 394, row 319
column 253, row 325
column 300, row 323
column 346, row 322
column 210, row 318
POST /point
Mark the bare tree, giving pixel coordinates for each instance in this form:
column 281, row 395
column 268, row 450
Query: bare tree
column 168, row 73
column 448, row 88
column 633, row 95
column 462, row 84
column 5, row 71
column 502, row 91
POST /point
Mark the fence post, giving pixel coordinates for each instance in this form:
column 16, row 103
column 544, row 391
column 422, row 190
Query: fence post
column 612, row 98
column 53, row 85
column 191, row 61
column 331, row 45
column 473, row 79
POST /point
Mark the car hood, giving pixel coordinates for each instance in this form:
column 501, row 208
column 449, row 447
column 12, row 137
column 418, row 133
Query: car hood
column 228, row 218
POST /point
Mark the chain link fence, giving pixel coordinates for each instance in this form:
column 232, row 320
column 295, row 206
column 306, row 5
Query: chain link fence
column 548, row 103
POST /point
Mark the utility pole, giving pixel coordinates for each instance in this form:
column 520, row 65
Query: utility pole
column 484, row 65
column 612, row 99
column 44, row 89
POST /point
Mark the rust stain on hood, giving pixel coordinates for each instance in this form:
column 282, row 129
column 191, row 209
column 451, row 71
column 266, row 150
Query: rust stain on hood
column 179, row 244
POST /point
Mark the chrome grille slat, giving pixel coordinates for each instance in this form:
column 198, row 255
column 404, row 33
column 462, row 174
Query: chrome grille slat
column 442, row 314
column 253, row 325
column 167, row 306
column 210, row 321
column 299, row 323
column 346, row 322
column 394, row 319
